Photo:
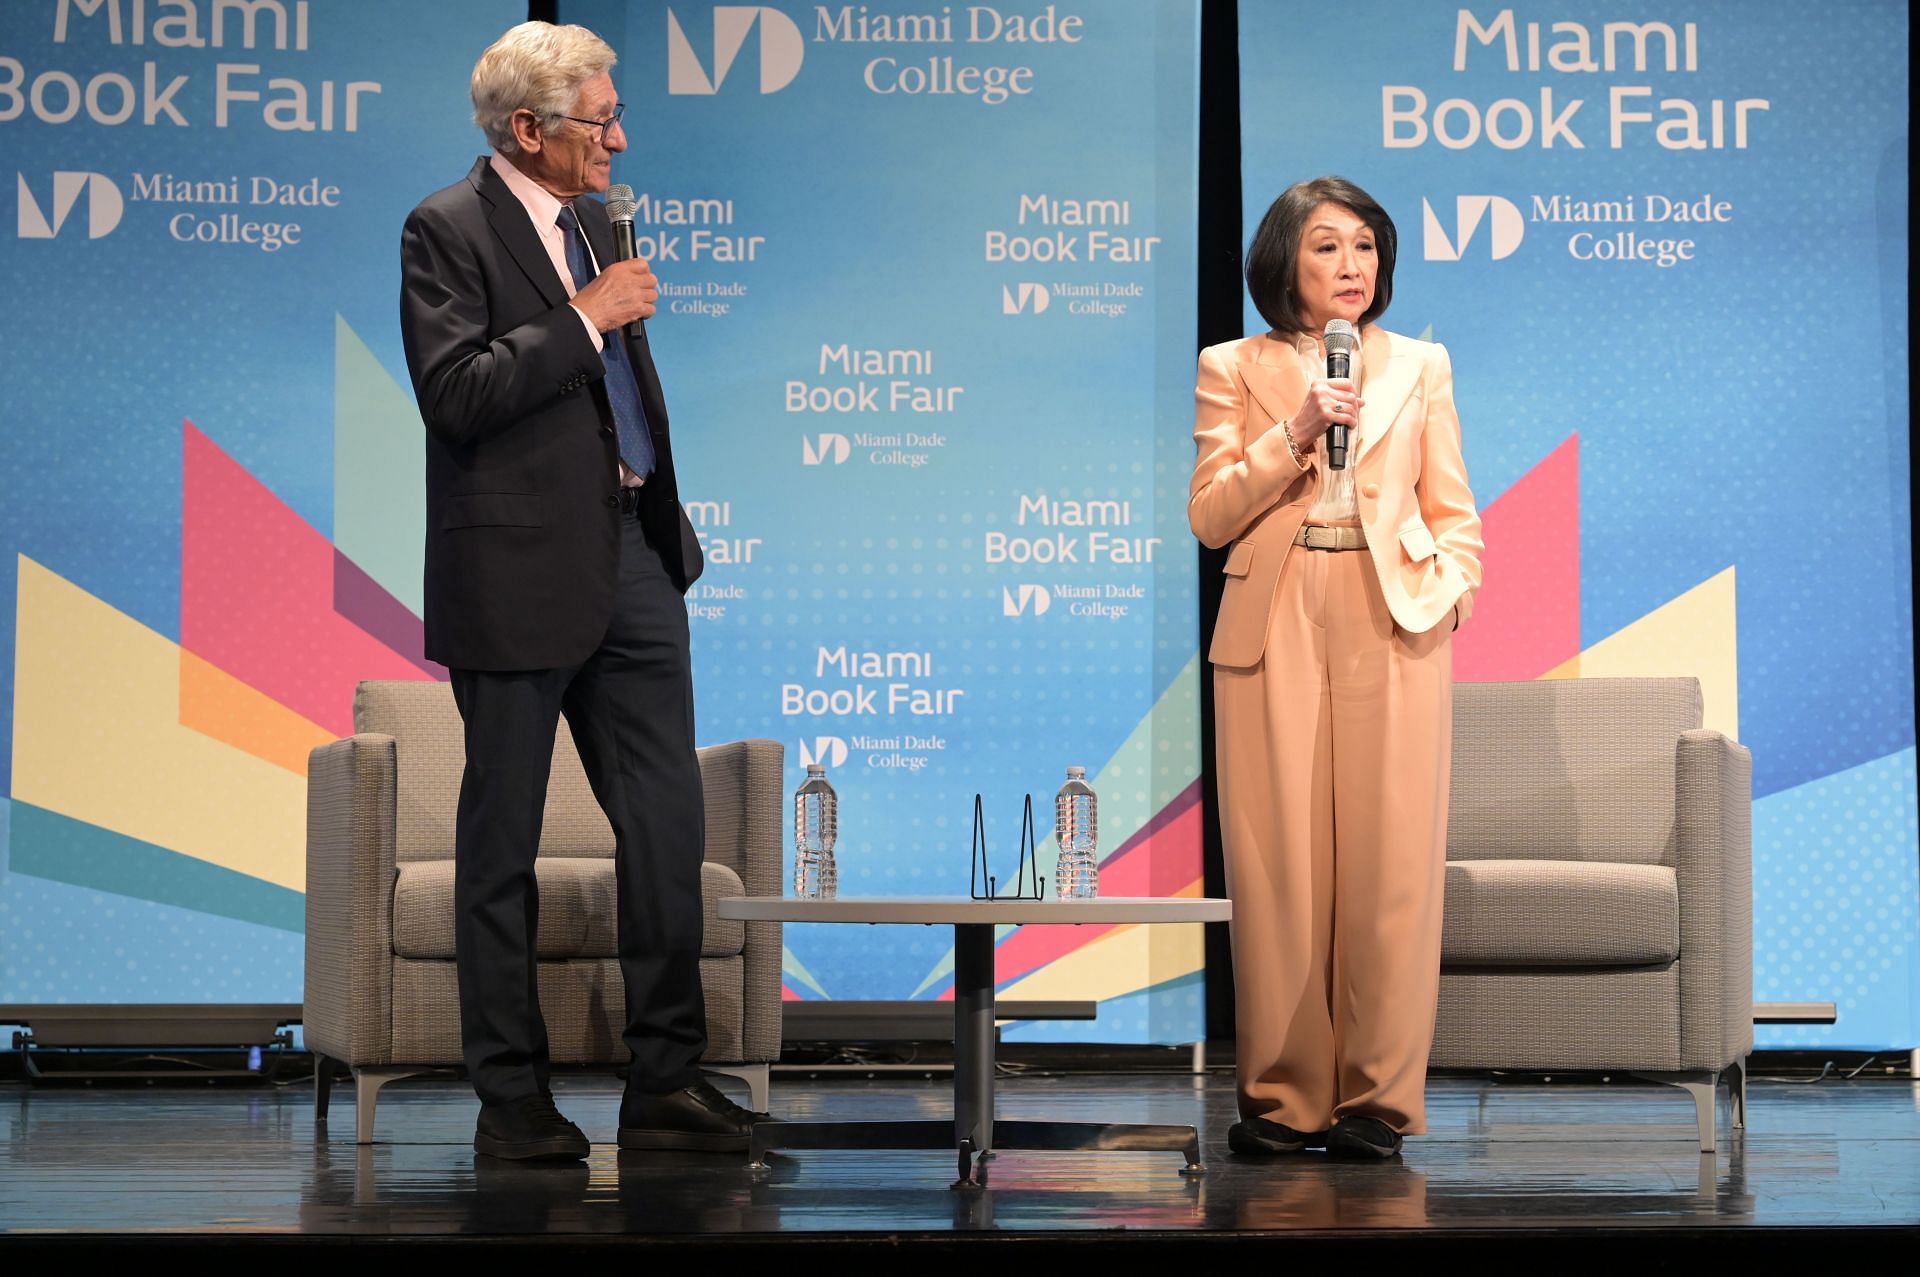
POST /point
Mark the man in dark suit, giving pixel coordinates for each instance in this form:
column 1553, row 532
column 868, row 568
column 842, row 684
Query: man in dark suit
column 557, row 557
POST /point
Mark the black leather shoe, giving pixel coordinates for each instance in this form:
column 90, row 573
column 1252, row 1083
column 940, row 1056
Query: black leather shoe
column 698, row 1119
column 1259, row 1136
column 1366, row 1138
column 527, row 1128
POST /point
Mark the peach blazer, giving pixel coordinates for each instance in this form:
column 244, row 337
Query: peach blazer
column 1423, row 531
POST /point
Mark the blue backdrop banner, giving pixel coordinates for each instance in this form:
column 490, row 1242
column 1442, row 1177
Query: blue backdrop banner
column 1668, row 253
column 926, row 335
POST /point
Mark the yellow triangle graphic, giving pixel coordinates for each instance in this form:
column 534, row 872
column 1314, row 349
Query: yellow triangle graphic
column 97, row 737
column 1124, row 960
column 1693, row 634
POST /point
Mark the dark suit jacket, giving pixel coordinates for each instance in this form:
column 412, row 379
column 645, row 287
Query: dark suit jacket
column 523, row 516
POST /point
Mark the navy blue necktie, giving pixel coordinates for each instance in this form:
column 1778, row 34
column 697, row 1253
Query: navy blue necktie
column 623, row 387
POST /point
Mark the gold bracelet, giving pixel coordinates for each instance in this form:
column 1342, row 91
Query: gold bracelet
column 1293, row 449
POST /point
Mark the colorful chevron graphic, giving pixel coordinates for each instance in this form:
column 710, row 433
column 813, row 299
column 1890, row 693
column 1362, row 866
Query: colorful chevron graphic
column 172, row 772
column 1526, row 618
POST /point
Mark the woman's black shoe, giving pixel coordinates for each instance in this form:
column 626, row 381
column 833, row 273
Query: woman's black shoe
column 1366, row 1138
column 1259, row 1136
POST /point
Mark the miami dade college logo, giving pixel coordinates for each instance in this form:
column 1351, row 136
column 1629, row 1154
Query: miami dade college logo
column 829, row 448
column 1032, row 296
column 1038, row 597
column 1508, row 227
column 781, row 50
column 825, row 751
column 104, row 205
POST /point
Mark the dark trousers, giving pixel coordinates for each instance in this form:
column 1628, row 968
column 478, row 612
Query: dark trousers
column 630, row 708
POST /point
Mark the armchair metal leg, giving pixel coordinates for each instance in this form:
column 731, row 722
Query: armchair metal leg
column 756, row 1076
column 322, row 1088
column 1703, row 1087
column 366, row 1090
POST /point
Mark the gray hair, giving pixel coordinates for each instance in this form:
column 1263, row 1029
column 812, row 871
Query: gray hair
column 536, row 67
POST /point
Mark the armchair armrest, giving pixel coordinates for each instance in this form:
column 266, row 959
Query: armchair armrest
column 350, row 880
column 1713, row 817
column 744, row 781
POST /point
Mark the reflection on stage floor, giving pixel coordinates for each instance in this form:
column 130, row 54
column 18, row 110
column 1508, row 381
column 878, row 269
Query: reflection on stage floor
column 1501, row 1156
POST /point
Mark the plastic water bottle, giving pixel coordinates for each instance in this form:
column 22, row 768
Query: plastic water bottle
column 1076, row 830
column 816, row 819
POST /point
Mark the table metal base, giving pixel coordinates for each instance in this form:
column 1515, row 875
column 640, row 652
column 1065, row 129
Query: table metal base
column 974, row 1134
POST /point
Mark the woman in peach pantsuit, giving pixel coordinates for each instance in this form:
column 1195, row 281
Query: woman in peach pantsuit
column 1333, row 679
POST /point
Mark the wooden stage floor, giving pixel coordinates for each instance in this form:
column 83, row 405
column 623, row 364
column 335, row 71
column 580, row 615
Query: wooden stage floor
column 1586, row 1165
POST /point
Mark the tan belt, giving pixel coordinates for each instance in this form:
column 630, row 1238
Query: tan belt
column 1318, row 536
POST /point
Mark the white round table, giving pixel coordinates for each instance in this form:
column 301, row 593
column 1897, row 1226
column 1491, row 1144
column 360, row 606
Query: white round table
column 973, row 1132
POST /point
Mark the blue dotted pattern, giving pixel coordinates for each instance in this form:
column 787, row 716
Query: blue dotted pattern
column 75, row 944
column 1837, row 905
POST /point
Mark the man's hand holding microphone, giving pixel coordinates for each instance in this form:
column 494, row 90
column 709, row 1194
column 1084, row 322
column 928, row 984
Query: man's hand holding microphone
column 626, row 291
column 623, row 293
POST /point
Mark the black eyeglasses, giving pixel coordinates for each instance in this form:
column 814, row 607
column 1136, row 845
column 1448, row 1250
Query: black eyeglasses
column 619, row 109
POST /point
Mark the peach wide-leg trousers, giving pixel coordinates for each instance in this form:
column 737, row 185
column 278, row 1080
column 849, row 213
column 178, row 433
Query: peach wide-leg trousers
column 1334, row 756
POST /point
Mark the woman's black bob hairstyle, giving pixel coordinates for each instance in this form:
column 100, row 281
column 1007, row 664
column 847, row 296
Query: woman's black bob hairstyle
column 1272, row 258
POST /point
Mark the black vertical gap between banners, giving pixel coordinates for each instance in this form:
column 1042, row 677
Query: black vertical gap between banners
column 1218, row 220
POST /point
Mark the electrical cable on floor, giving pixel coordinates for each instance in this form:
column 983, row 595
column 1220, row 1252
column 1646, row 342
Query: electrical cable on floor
column 1826, row 1071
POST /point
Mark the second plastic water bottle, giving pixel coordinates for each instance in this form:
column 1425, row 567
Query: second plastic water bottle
column 816, row 818
column 1076, row 820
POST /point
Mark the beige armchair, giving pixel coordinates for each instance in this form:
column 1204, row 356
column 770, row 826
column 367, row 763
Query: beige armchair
column 381, row 996
column 1599, row 906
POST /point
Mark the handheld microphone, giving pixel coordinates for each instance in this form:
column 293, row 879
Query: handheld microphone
column 620, row 210
column 1340, row 342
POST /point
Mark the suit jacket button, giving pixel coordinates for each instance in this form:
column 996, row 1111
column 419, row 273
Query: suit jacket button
column 1370, row 491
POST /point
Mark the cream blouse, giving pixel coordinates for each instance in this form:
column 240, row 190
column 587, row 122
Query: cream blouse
column 1334, row 501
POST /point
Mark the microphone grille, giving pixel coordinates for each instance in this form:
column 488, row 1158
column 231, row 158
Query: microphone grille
column 620, row 202
column 1340, row 337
